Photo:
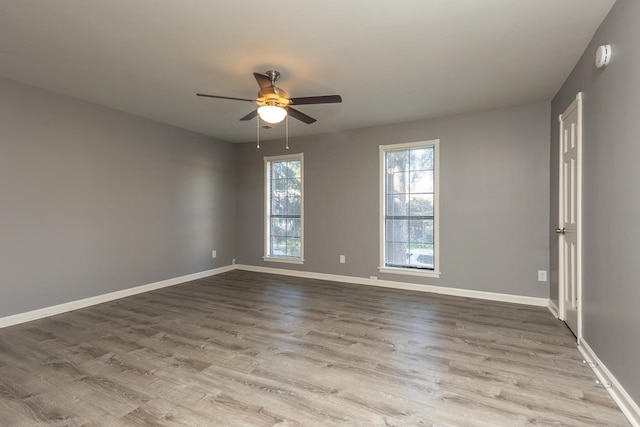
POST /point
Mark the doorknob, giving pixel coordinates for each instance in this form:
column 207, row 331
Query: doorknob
column 560, row 230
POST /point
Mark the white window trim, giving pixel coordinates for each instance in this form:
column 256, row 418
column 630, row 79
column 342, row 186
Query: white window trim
column 436, row 210
column 266, row 257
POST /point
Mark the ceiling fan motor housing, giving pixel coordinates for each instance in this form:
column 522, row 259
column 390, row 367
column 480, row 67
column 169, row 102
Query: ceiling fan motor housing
column 273, row 96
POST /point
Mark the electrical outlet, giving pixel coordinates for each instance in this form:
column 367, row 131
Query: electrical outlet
column 373, row 277
column 233, row 261
column 542, row 275
column 343, row 259
column 213, row 254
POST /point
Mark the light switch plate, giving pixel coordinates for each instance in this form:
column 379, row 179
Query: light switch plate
column 542, row 275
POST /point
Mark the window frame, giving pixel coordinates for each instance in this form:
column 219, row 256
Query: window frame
column 267, row 206
column 383, row 268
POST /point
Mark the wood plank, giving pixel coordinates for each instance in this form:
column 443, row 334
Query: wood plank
column 245, row 348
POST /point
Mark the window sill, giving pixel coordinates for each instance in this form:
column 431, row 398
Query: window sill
column 284, row 260
column 408, row 272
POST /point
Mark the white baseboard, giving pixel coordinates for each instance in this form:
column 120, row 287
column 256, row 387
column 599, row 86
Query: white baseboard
column 626, row 404
column 86, row 302
column 553, row 308
column 492, row 296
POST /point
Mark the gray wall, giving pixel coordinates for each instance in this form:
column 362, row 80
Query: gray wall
column 94, row 200
column 611, row 208
column 494, row 184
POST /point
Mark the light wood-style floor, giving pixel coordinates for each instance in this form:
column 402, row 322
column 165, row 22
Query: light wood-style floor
column 249, row 349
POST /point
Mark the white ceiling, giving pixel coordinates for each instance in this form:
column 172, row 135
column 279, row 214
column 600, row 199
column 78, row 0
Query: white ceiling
column 392, row 61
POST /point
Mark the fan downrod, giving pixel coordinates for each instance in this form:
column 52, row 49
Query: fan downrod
column 273, row 75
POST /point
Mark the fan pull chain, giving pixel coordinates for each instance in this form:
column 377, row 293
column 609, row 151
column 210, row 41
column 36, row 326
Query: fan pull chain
column 286, row 131
column 257, row 131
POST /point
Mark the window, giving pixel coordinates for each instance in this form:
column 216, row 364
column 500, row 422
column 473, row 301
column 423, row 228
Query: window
column 284, row 209
column 409, row 208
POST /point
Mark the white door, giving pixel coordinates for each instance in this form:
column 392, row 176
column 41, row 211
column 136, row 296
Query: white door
column 569, row 218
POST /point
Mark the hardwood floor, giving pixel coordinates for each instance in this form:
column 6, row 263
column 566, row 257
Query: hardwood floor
column 249, row 349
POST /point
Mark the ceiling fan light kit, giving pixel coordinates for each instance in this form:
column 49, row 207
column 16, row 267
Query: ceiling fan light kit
column 274, row 105
column 272, row 113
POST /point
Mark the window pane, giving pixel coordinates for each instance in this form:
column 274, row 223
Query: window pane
column 421, row 205
column 278, row 170
column 420, row 232
column 421, row 182
column 396, row 253
column 293, row 227
column 293, row 205
column 397, row 161
column 293, row 169
column 397, row 205
column 278, row 227
column 398, row 182
column 278, row 206
column 279, row 186
column 278, row 246
column 422, row 159
column 421, row 258
column 293, row 247
column 397, row 230
column 293, row 186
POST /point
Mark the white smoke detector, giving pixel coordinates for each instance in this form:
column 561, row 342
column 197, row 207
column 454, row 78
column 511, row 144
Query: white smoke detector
column 603, row 56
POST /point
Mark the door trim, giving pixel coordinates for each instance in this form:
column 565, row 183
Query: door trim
column 576, row 104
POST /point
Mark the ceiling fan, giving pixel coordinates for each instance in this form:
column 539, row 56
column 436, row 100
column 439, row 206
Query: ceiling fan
column 274, row 103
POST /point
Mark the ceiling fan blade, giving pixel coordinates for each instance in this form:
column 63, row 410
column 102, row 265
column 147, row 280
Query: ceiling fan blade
column 225, row 97
column 250, row 116
column 300, row 116
column 263, row 81
column 327, row 99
